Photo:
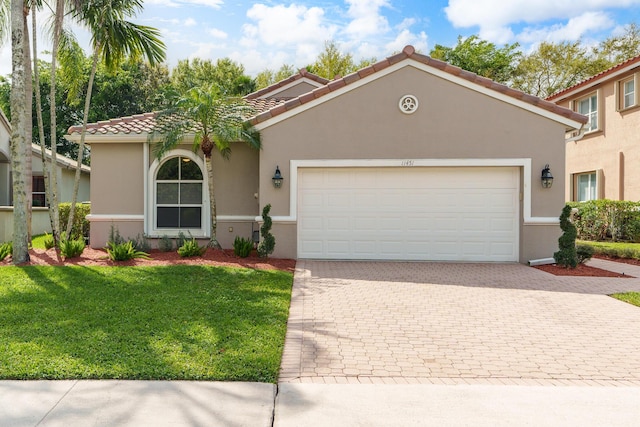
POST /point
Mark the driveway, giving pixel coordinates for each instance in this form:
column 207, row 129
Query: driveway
column 446, row 323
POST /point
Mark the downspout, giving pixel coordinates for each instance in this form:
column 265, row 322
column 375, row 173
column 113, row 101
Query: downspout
column 579, row 136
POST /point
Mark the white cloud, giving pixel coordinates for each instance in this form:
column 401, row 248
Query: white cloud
column 189, row 22
column 406, row 37
column 215, row 4
column 495, row 17
column 574, row 29
column 366, row 18
column 216, row 33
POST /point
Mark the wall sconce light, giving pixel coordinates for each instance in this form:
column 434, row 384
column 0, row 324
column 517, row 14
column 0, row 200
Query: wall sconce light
column 547, row 178
column 277, row 178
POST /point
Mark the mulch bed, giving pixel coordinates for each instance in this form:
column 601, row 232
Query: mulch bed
column 580, row 270
column 212, row 257
column 631, row 261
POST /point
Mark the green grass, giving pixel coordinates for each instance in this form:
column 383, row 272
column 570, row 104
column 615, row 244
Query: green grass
column 169, row 322
column 630, row 297
column 37, row 242
column 614, row 249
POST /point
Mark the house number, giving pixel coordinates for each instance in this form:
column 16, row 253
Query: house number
column 407, row 163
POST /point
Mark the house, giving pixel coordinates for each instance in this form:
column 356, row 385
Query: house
column 602, row 164
column 408, row 159
column 40, row 216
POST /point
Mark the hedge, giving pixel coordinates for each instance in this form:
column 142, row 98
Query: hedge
column 615, row 220
column 80, row 226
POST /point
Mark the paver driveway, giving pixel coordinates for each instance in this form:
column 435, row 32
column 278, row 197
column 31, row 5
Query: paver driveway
column 375, row 322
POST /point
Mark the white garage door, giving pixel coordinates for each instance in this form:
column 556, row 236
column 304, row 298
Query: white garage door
column 412, row 213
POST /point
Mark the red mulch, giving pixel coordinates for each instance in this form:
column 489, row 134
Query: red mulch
column 96, row 257
column 580, row 270
column 631, row 261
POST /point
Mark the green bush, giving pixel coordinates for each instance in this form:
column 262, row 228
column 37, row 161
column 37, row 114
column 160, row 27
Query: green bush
column 566, row 256
column 80, row 227
column 268, row 242
column 584, row 253
column 141, row 243
column 71, row 248
column 165, row 244
column 190, row 248
column 242, row 247
column 182, row 238
column 124, row 251
column 599, row 220
column 48, row 241
column 6, row 249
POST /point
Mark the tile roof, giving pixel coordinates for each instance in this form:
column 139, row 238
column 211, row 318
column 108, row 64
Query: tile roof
column 409, row 52
column 269, row 107
column 594, row 79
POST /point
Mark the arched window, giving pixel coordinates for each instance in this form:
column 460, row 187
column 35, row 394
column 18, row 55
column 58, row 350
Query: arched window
column 178, row 195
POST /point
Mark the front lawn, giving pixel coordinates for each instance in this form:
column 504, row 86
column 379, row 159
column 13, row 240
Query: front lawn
column 614, row 249
column 164, row 322
column 630, row 297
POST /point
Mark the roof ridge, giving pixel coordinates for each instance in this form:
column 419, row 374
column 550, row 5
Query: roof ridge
column 302, row 73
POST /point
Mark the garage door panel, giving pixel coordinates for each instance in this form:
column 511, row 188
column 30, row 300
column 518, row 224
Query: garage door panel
column 409, row 213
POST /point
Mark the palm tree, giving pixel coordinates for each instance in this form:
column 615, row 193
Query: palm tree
column 113, row 39
column 214, row 122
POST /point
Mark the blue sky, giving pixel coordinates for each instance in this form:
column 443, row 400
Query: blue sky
column 269, row 33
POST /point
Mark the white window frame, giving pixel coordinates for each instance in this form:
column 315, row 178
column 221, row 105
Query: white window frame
column 622, row 95
column 591, row 113
column 205, row 223
column 33, row 192
column 592, row 184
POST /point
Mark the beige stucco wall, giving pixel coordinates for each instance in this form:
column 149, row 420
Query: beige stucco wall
column 452, row 122
column 300, row 88
column 612, row 149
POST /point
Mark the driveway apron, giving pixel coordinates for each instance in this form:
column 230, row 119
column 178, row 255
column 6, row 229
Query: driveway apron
column 451, row 323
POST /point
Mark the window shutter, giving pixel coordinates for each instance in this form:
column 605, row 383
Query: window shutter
column 600, row 184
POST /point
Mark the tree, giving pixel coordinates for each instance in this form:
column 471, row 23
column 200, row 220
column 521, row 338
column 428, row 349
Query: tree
column 332, row 63
column 268, row 77
column 226, row 74
column 20, row 144
column 214, row 122
column 553, row 67
column 480, row 57
column 617, row 49
column 113, row 38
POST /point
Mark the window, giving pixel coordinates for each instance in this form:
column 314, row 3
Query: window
column 178, row 193
column 38, row 197
column 589, row 107
column 586, row 187
column 628, row 93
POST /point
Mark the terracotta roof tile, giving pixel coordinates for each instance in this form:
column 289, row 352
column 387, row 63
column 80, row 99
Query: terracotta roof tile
column 593, row 79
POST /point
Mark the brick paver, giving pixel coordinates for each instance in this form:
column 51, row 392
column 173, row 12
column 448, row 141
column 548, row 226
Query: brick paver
column 449, row 323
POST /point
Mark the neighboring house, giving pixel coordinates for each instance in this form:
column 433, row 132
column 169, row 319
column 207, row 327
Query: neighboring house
column 408, row 159
column 66, row 175
column 603, row 163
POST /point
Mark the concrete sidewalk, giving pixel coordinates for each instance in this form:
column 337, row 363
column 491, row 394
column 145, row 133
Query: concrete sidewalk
column 188, row 404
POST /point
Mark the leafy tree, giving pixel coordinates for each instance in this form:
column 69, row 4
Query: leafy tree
column 268, row 77
column 480, row 57
column 228, row 75
column 553, row 67
column 214, row 122
column 5, row 94
column 332, row 62
column 617, row 49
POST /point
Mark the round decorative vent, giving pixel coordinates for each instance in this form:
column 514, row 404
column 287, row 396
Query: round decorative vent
column 408, row 104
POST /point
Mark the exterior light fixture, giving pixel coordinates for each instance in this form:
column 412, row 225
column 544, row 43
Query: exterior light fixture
column 277, row 178
column 547, row 178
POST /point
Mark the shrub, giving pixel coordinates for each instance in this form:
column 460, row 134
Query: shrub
column 124, row 251
column 71, row 248
column 6, row 249
column 268, row 242
column 114, row 236
column 165, row 244
column 190, row 248
column 242, row 247
column 48, row 241
column 584, row 253
column 599, row 220
column 80, row 227
column 181, row 239
column 141, row 243
column 566, row 256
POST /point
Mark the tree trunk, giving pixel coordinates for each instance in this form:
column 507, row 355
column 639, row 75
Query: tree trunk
column 28, row 84
column 213, row 242
column 47, row 166
column 85, row 120
column 52, row 99
column 19, row 142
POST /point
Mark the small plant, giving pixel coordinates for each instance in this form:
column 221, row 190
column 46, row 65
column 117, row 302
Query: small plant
column 114, row 235
column 48, row 241
column 124, row 251
column 6, row 249
column 71, row 248
column 566, row 255
column 165, row 244
column 190, row 248
column 141, row 243
column 181, row 239
column 584, row 253
column 242, row 247
column 268, row 241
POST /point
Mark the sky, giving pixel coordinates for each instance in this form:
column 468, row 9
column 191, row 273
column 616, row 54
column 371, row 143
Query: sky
column 270, row 33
